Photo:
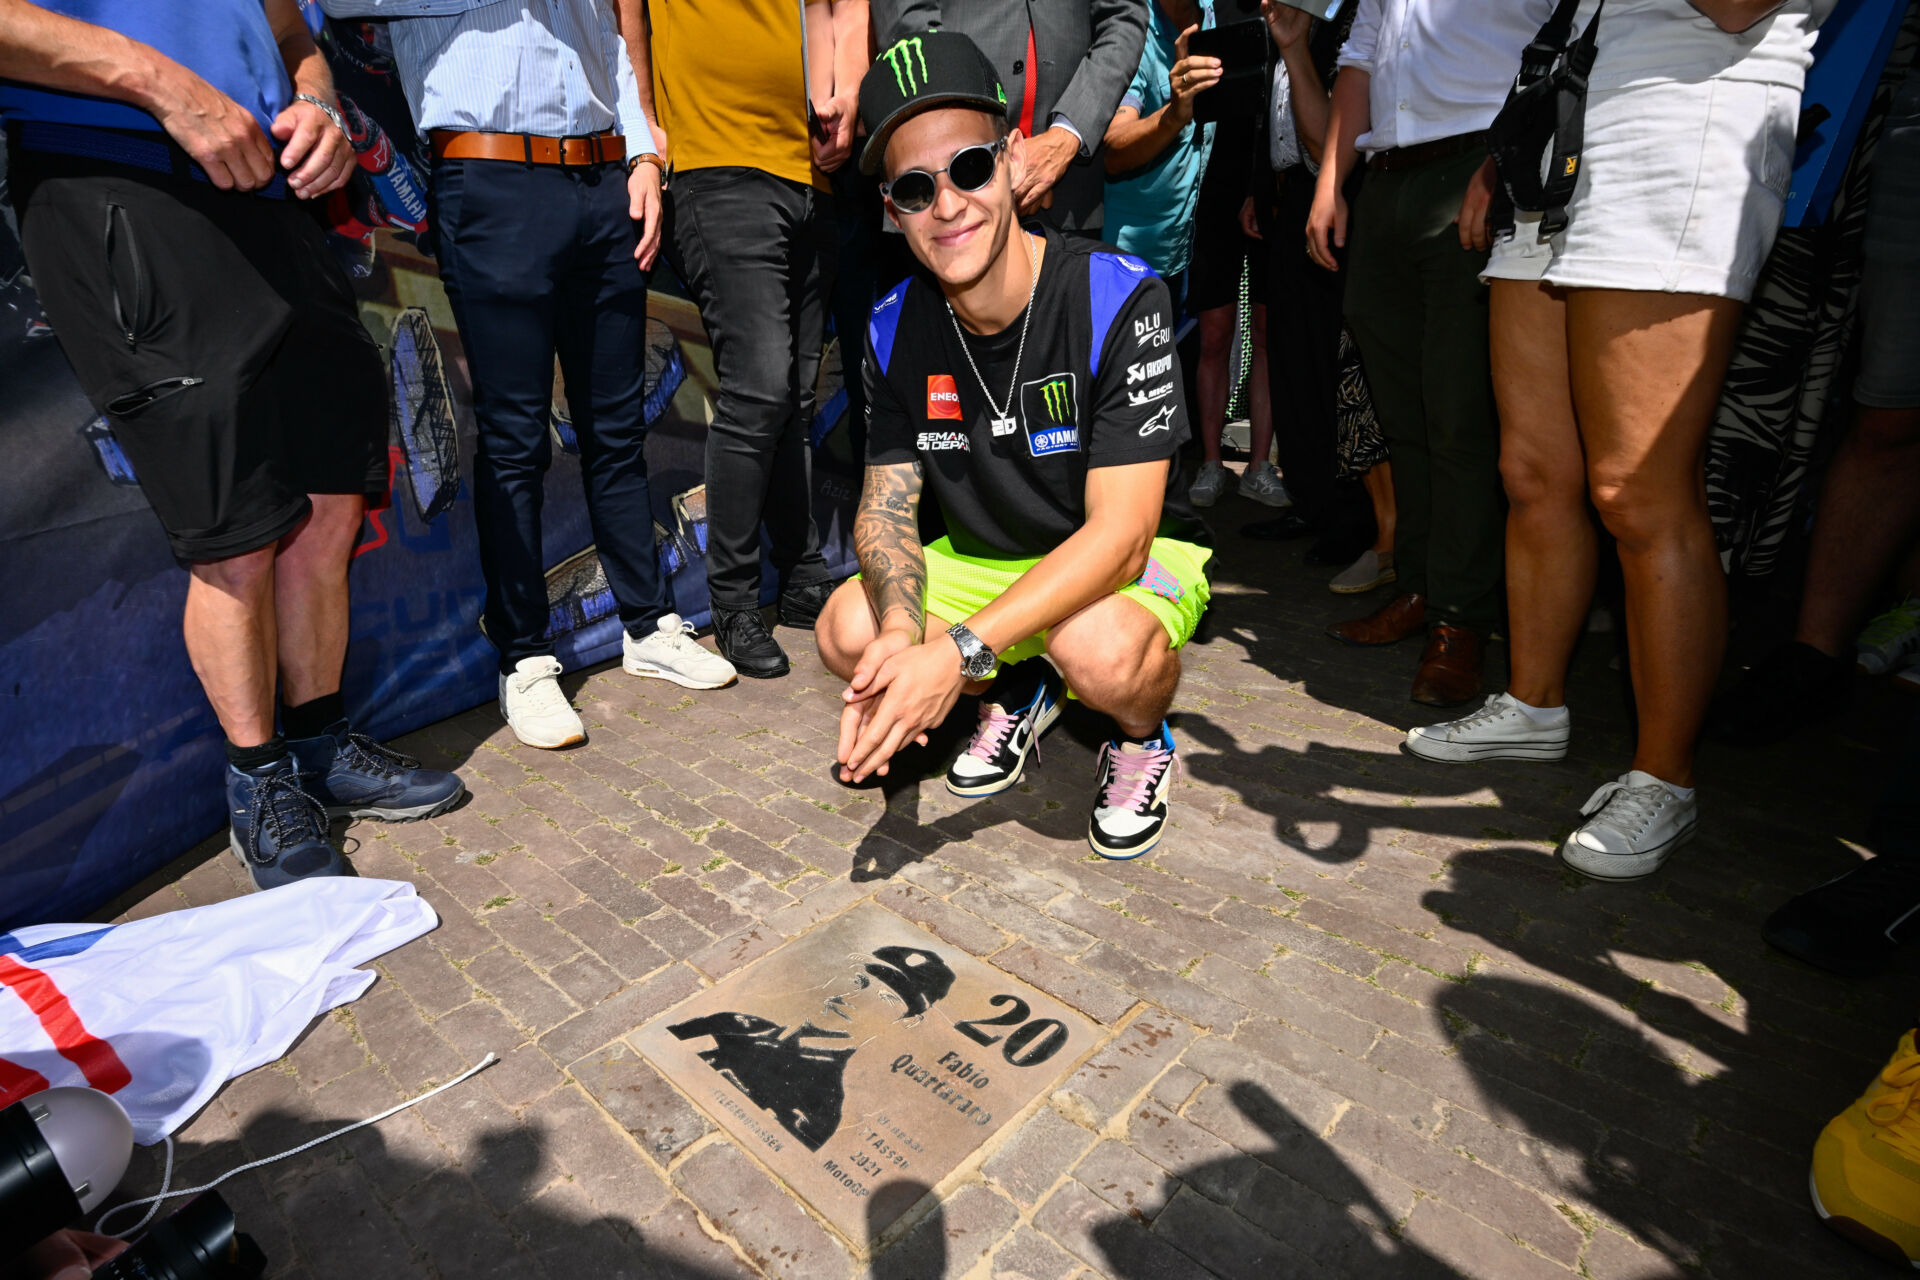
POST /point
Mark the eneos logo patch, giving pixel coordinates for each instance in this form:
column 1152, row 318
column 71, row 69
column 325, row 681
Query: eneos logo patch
column 943, row 397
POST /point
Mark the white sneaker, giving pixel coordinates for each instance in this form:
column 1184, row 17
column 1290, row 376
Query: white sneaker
column 671, row 653
column 1500, row 730
column 535, row 709
column 1209, row 484
column 1263, row 484
column 1633, row 825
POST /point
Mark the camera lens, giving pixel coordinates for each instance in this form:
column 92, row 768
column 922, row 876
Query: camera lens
column 197, row 1243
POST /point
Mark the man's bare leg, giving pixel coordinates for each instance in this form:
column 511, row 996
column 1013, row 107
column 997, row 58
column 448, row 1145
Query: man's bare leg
column 230, row 634
column 1115, row 657
column 1869, row 515
column 310, row 597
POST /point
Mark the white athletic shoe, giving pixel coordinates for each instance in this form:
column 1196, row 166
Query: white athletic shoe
column 1500, row 730
column 671, row 653
column 535, row 708
column 1263, row 484
column 1130, row 805
column 1209, row 484
column 1633, row 825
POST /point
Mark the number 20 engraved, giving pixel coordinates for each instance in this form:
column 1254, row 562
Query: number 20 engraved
column 1033, row 1043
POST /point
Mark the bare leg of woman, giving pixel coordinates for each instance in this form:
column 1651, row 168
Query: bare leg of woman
column 1550, row 539
column 1378, row 482
column 1646, row 373
column 1259, row 396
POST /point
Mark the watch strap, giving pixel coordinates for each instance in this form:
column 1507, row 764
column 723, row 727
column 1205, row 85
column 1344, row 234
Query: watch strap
column 971, row 647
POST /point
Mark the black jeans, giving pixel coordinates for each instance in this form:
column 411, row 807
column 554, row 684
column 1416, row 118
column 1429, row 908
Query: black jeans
column 1303, row 350
column 758, row 254
column 538, row 259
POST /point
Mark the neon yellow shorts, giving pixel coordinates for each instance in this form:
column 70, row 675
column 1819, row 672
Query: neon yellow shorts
column 1174, row 588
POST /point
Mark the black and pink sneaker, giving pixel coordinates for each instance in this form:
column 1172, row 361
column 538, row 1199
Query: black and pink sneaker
column 1130, row 807
column 1013, row 715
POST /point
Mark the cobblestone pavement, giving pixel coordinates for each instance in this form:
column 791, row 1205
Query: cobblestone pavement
column 1360, row 1021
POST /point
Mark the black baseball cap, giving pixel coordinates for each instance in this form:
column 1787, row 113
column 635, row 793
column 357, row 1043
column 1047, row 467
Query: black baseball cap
column 918, row 72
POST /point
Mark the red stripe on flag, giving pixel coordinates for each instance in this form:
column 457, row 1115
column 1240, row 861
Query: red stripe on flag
column 94, row 1057
column 17, row 1082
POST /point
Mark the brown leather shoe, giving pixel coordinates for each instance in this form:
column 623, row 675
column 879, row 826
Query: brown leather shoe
column 1450, row 668
column 1391, row 623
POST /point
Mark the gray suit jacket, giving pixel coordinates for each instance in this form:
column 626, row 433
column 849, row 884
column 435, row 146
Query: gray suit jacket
column 1088, row 51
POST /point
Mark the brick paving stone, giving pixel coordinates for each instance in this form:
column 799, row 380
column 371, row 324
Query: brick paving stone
column 776, row 1234
column 1225, row 1243
column 639, row 1098
column 718, row 959
column 619, row 1013
column 1087, row 1227
column 1175, row 994
column 951, row 1240
column 1127, row 1180
column 1473, row 1248
column 528, row 998
column 1037, row 1155
column 627, row 951
column 1097, row 999
column 942, row 919
column 1187, row 1151
column 1122, row 1069
column 679, row 1248
column 444, row 1216
column 1028, row 1255
column 599, row 1155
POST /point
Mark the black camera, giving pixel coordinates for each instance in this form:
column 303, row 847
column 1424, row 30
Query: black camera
column 62, row 1152
column 198, row 1243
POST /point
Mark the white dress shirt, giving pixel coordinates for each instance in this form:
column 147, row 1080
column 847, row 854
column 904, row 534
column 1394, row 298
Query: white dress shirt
column 552, row 68
column 1438, row 67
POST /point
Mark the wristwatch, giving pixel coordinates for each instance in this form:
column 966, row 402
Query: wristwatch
column 976, row 660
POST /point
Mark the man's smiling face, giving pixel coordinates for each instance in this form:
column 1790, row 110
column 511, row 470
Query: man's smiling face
column 963, row 232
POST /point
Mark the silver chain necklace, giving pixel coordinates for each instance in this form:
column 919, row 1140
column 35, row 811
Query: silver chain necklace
column 1002, row 422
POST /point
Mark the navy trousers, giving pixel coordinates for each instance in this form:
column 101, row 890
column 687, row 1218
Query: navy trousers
column 538, row 259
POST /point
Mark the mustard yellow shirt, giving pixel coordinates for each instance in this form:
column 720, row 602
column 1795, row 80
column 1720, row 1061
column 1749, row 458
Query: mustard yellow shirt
column 729, row 85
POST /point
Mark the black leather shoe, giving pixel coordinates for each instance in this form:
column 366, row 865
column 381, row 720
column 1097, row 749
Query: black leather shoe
column 800, row 606
column 1279, row 529
column 746, row 643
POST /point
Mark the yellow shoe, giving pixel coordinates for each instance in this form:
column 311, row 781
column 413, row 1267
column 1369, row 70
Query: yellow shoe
column 1866, row 1165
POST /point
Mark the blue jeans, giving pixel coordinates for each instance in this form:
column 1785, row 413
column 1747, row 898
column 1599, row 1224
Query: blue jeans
column 538, row 259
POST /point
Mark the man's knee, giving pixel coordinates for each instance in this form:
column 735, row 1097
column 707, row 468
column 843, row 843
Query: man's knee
column 1123, row 648
column 245, row 576
column 844, row 629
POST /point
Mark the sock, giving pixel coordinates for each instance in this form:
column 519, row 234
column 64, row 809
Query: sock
column 1015, row 686
column 1121, row 738
column 254, row 759
column 311, row 719
column 1540, row 715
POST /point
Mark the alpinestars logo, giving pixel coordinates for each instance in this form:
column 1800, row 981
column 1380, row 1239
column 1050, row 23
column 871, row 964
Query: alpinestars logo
column 943, row 397
column 1162, row 420
column 901, row 56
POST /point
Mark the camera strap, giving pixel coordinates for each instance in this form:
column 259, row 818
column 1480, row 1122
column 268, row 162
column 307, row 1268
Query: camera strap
column 1536, row 139
column 166, row 1177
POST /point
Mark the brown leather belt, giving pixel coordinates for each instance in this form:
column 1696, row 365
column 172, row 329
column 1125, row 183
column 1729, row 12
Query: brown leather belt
column 1428, row 152
column 528, row 148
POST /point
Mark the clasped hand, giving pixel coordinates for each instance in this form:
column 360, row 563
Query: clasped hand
column 900, row 689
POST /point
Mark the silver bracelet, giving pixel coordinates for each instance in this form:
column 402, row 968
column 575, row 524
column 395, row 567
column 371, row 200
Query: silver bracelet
column 333, row 112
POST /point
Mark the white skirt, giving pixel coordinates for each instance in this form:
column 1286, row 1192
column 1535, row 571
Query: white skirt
column 1681, row 190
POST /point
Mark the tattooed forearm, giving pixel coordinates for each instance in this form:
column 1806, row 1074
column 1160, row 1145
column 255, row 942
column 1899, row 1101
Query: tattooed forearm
column 886, row 537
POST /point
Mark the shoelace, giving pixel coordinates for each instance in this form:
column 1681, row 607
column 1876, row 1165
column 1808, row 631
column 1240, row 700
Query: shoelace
column 1132, row 775
column 1892, row 1108
column 682, row 641
column 746, row 629
column 1895, row 623
column 541, row 688
column 368, row 756
column 996, row 725
column 1626, row 809
column 1493, row 709
column 287, row 812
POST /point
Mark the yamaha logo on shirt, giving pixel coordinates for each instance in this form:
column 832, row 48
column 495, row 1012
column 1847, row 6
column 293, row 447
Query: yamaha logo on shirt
column 1050, row 411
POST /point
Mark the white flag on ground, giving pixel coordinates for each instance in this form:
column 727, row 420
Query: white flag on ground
column 161, row 1012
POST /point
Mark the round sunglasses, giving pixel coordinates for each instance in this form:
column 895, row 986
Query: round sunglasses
column 970, row 169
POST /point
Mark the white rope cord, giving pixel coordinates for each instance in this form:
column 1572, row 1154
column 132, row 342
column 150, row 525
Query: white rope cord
column 166, row 1177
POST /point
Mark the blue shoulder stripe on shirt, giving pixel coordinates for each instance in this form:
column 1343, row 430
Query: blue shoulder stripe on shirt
column 1111, row 280
column 886, row 322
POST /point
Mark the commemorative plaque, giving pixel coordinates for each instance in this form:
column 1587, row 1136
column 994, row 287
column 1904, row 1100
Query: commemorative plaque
column 865, row 1061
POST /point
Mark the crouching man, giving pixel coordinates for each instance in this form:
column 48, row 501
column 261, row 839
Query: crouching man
column 1029, row 382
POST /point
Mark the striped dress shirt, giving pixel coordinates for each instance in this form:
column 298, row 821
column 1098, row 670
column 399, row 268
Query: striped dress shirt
column 555, row 68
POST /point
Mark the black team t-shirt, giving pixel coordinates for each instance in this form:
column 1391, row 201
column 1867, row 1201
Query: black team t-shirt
column 1099, row 386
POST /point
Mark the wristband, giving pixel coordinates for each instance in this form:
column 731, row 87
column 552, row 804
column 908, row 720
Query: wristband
column 333, row 112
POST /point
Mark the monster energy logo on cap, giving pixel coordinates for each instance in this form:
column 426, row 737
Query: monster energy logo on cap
column 1054, row 395
column 901, row 56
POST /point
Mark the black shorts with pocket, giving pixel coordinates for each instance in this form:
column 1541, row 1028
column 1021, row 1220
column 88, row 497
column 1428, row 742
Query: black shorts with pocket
column 219, row 336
